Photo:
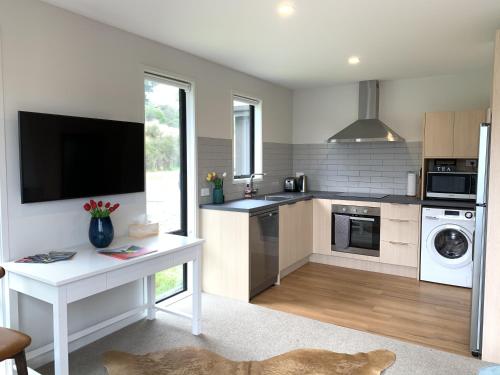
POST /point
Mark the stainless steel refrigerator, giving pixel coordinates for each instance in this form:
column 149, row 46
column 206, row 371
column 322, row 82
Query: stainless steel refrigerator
column 479, row 250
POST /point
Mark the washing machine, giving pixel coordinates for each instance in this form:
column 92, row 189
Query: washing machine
column 446, row 247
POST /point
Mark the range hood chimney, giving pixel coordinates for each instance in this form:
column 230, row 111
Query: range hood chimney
column 368, row 128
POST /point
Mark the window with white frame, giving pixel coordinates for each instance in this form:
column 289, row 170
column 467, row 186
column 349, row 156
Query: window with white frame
column 247, row 138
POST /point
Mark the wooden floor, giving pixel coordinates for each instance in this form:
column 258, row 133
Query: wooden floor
column 424, row 313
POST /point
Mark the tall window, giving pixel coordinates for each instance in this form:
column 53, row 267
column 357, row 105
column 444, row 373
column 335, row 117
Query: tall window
column 166, row 168
column 244, row 137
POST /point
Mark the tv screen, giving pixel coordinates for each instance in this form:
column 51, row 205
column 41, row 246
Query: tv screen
column 64, row 157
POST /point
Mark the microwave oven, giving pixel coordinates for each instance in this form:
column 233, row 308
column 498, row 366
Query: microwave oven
column 451, row 185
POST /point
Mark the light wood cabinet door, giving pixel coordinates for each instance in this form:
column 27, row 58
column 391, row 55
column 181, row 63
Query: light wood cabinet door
column 400, row 211
column 322, row 226
column 438, row 135
column 401, row 231
column 304, row 234
column 401, row 254
column 466, row 133
column 286, row 233
column 400, row 234
column 296, row 227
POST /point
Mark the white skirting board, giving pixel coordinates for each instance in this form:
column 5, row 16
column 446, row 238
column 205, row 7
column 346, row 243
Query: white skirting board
column 45, row 354
column 4, row 364
column 363, row 265
column 293, row 267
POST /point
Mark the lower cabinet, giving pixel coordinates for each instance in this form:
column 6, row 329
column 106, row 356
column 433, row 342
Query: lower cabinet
column 400, row 234
column 322, row 226
column 399, row 253
column 295, row 228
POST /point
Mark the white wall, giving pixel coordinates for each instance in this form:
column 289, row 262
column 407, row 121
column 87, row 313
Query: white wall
column 57, row 62
column 320, row 113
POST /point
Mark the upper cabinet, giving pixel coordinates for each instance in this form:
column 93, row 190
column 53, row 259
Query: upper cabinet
column 452, row 134
column 438, row 134
column 466, row 133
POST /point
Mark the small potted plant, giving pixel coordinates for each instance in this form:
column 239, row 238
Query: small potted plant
column 218, row 186
column 101, row 230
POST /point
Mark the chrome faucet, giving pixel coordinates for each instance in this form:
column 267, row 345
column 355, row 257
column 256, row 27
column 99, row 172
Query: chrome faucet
column 252, row 176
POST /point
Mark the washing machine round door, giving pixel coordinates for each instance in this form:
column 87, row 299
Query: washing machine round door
column 450, row 245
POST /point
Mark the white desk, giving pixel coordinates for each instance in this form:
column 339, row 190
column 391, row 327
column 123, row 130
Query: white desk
column 89, row 273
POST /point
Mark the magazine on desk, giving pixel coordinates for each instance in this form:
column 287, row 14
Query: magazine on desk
column 126, row 252
column 50, row 257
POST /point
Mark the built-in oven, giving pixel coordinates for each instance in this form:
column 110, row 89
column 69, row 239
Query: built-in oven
column 356, row 229
column 451, row 185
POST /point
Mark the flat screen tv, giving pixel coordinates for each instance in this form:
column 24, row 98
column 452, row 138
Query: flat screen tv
column 64, row 157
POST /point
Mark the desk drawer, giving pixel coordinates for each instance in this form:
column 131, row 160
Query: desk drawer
column 149, row 267
column 86, row 287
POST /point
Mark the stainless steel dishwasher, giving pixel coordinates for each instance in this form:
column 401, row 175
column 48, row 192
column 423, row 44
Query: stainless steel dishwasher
column 264, row 250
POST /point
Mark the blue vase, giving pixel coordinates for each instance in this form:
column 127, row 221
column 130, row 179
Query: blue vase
column 218, row 196
column 101, row 231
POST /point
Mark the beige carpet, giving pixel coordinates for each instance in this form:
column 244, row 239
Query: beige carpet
column 244, row 332
column 197, row 361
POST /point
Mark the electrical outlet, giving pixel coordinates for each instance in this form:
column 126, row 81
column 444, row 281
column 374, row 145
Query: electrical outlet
column 205, row 192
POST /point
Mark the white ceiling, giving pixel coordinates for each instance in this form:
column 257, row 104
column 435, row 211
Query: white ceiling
column 393, row 38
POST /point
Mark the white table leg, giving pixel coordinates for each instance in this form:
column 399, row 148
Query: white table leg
column 196, row 328
column 12, row 309
column 60, row 317
column 150, row 293
column 12, row 319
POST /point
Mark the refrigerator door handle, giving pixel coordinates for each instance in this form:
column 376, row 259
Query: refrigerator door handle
column 483, row 164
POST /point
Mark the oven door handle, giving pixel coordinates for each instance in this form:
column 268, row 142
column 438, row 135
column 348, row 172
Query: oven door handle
column 362, row 218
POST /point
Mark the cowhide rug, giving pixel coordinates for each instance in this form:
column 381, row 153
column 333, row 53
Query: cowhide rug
column 197, row 361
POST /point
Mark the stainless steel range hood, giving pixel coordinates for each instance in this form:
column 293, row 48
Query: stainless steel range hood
column 368, row 128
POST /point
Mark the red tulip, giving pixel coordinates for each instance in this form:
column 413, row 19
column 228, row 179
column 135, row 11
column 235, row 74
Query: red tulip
column 99, row 204
column 86, row 207
column 93, row 204
column 112, row 209
column 107, row 205
column 116, row 205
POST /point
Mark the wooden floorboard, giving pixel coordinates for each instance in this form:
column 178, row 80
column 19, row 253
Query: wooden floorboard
column 423, row 313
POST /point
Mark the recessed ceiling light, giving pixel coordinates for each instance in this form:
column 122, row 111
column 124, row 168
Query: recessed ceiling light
column 286, row 9
column 353, row 60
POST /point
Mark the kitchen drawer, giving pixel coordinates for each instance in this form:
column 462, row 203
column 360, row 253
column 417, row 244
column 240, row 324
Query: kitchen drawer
column 399, row 253
column 400, row 211
column 399, row 230
column 355, row 203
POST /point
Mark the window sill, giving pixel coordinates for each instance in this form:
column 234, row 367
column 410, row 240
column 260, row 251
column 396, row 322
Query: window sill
column 174, row 299
column 239, row 181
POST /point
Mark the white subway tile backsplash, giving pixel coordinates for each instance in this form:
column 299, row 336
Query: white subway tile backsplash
column 358, row 167
column 216, row 155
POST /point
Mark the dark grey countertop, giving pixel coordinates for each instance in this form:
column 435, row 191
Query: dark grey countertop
column 258, row 203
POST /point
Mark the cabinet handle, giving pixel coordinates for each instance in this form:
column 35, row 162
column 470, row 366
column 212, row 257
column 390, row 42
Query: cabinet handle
column 400, row 220
column 398, row 243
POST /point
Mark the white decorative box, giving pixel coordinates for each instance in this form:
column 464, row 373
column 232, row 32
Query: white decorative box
column 143, row 230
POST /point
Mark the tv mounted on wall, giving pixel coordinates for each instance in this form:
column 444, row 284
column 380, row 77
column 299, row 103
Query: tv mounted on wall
column 64, row 157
